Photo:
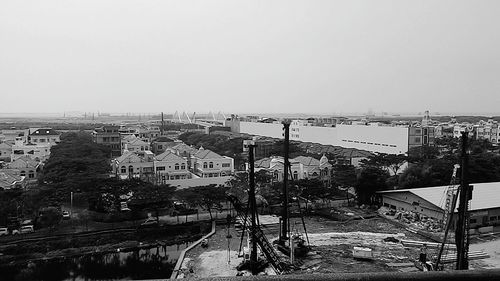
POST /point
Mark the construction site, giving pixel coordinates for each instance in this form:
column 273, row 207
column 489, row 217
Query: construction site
column 370, row 240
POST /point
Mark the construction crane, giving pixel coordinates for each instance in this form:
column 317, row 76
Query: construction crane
column 449, row 208
column 463, row 195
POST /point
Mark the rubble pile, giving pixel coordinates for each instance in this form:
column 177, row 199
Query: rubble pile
column 413, row 219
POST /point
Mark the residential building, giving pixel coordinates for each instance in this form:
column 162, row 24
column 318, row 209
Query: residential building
column 420, row 136
column 170, row 166
column 25, row 167
column 275, row 167
column 316, row 169
column 5, row 151
column 11, row 179
column 38, row 152
column 44, row 135
column 484, row 206
column 134, row 144
column 160, row 144
column 10, row 135
column 110, row 137
column 133, row 165
column 183, row 150
column 488, row 130
column 206, row 163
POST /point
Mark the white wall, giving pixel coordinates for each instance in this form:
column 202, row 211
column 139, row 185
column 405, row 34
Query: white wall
column 262, row 129
column 385, row 139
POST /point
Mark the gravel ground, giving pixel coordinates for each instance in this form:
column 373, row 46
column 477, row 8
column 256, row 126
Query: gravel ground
column 332, row 243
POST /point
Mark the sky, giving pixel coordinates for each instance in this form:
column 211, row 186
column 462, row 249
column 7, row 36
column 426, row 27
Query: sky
column 310, row 56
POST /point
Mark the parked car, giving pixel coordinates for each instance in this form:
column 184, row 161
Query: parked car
column 124, row 207
column 65, row 215
column 4, row 231
column 24, row 229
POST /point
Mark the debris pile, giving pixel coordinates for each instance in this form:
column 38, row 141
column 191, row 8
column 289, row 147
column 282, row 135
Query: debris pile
column 414, row 219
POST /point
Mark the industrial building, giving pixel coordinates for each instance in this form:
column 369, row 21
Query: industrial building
column 430, row 201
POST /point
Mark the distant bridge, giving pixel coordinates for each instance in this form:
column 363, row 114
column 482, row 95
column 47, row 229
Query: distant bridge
column 205, row 120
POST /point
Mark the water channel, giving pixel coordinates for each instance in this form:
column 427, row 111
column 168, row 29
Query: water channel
column 152, row 263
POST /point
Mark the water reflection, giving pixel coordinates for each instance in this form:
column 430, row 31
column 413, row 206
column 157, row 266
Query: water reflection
column 153, row 263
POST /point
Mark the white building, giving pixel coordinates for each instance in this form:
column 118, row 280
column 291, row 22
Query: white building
column 38, row 152
column 207, row 164
column 44, row 135
column 373, row 137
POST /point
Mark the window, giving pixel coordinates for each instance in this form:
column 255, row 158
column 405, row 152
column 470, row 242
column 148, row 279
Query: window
column 205, row 165
column 418, row 139
column 160, row 168
column 183, row 166
column 160, row 146
column 473, row 220
column 177, row 166
column 494, row 218
column 226, row 165
column 23, row 173
column 295, row 175
column 211, row 165
column 130, row 169
column 123, row 170
column 142, row 148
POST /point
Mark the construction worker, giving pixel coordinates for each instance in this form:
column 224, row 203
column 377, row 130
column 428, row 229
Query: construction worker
column 423, row 254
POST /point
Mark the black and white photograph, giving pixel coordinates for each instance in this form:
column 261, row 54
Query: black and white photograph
column 249, row 140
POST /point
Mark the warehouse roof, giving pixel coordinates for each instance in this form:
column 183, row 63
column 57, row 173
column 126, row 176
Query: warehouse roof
column 484, row 195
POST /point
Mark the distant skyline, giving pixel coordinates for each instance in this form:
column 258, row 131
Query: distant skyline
column 284, row 56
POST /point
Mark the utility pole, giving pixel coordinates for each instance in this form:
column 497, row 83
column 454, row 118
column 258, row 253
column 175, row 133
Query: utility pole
column 465, row 194
column 284, row 215
column 253, row 208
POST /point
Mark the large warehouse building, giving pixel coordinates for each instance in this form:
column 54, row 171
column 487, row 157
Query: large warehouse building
column 484, row 206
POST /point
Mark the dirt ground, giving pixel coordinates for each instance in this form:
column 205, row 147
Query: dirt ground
column 331, row 249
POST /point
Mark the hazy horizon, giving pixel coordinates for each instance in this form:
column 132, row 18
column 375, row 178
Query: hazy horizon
column 309, row 57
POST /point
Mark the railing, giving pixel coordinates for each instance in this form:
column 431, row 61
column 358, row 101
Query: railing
column 455, row 275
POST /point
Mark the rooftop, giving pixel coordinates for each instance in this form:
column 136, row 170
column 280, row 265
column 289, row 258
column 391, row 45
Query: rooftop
column 484, row 195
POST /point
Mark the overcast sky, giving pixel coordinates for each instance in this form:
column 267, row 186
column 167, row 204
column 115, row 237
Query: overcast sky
column 250, row 56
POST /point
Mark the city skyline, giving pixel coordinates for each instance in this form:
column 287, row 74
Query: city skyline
column 320, row 57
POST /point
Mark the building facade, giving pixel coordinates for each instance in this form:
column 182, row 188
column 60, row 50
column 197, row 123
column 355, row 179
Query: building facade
column 110, row 137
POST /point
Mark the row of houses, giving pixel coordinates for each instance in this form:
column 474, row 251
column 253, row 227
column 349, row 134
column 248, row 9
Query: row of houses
column 176, row 164
column 34, row 143
column 22, row 154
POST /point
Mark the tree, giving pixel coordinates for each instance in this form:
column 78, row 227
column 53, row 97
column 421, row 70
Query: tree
column 370, row 180
column 50, row 217
column 152, row 197
column 208, row 197
column 76, row 163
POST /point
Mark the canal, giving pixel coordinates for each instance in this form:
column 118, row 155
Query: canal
column 148, row 263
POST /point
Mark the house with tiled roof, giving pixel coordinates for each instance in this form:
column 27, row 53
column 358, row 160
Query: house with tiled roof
column 170, row 166
column 183, row 149
column 160, row 144
column 44, row 135
column 133, row 165
column 25, row 167
column 206, row 163
column 275, row 167
column 316, row 169
column 11, row 179
column 134, row 144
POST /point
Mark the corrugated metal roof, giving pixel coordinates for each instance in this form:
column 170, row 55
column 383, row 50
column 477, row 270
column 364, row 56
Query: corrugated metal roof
column 484, row 195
